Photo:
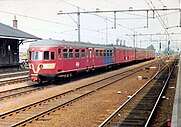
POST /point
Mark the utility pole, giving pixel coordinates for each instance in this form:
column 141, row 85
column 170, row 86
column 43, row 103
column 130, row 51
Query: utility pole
column 168, row 47
column 78, row 24
column 134, row 36
column 160, row 46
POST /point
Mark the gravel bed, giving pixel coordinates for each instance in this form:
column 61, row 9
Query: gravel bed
column 8, row 87
column 89, row 111
column 94, row 109
column 163, row 113
column 39, row 95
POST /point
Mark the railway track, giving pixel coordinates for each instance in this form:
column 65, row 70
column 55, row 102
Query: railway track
column 12, row 93
column 29, row 113
column 12, row 78
column 137, row 111
column 7, row 94
column 13, row 74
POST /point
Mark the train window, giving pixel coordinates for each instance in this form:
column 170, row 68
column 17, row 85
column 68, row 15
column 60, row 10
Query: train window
column 77, row 53
column 70, row 53
column 46, row 55
column 59, row 53
column 107, row 52
column 124, row 57
column 65, row 53
column 90, row 51
column 83, row 53
column 52, row 55
column 37, row 55
column 124, row 53
column 104, row 52
column 97, row 53
column 110, row 52
column 100, row 52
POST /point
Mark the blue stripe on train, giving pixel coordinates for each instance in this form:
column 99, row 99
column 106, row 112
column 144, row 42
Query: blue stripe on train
column 107, row 59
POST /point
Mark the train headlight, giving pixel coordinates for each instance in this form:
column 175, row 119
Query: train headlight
column 40, row 66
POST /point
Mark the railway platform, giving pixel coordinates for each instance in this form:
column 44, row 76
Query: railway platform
column 176, row 115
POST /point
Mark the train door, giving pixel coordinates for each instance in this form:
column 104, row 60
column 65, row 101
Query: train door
column 114, row 55
column 93, row 56
column 87, row 58
column 90, row 57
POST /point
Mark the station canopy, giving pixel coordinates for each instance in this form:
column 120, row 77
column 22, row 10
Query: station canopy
column 12, row 33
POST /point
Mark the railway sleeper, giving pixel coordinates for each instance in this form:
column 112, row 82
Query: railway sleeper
column 145, row 100
column 129, row 123
column 137, row 116
column 144, row 107
column 140, row 106
column 133, row 115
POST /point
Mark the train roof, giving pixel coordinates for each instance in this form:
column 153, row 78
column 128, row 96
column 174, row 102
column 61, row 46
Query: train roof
column 51, row 42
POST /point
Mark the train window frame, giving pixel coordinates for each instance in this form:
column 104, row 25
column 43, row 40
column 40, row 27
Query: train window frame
column 110, row 52
column 70, row 52
column 59, row 53
column 46, row 55
column 90, row 53
column 100, row 53
column 105, row 53
column 65, row 53
column 124, row 53
column 83, row 53
column 37, row 55
column 77, row 53
column 52, row 55
column 97, row 53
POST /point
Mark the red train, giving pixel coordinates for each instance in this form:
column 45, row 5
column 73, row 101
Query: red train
column 51, row 58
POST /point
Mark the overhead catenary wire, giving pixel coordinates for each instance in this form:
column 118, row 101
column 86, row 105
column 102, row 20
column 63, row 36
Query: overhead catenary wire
column 94, row 14
column 158, row 16
column 44, row 20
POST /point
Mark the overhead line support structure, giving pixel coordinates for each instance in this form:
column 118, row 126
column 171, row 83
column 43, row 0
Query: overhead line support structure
column 116, row 11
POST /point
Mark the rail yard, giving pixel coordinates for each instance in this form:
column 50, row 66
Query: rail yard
column 100, row 100
column 98, row 63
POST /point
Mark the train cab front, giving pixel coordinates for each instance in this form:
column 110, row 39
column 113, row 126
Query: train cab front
column 41, row 64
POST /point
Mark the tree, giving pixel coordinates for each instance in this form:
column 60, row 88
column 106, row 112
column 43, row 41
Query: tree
column 151, row 47
column 170, row 51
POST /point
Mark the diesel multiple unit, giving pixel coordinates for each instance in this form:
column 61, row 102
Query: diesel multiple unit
column 52, row 58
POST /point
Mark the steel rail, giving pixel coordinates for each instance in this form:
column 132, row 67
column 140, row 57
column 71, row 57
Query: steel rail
column 14, row 80
column 158, row 99
column 3, row 115
column 105, row 122
column 7, row 95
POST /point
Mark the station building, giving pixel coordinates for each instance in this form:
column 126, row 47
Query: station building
column 10, row 39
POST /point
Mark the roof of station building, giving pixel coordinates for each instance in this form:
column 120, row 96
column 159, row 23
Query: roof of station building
column 13, row 33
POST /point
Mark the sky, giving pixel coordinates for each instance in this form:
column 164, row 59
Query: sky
column 39, row 18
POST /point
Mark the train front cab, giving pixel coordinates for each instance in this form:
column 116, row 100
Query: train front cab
column 42, row 64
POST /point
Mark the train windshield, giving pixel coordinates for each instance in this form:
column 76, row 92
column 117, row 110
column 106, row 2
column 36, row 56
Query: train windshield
column 37, row 55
